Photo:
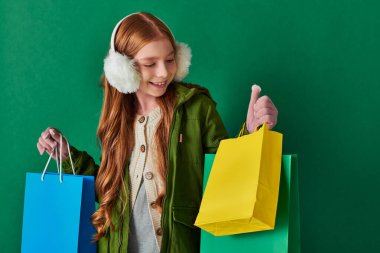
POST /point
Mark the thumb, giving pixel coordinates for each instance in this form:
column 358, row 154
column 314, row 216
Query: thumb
column 255, row 94
column 54, row 134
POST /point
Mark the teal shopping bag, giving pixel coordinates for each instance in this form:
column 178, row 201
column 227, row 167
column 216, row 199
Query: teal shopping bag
column 57, row 212
column 285, row 238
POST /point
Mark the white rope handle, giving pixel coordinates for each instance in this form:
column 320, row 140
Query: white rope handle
column 59, row 160
column 56, row 155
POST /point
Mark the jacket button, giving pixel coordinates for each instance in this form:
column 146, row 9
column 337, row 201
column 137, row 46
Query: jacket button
column 142, row 148
column 159, row 231
column 153, row 204
column 149, row 175
column 142, row 119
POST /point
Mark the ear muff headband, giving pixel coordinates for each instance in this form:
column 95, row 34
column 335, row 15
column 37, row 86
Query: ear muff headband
column 121, row 71
column 112, row 42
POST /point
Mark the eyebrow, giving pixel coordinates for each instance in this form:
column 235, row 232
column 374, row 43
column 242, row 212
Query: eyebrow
column 151, row 58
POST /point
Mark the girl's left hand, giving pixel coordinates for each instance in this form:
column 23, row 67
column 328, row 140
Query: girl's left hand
column 260, row 110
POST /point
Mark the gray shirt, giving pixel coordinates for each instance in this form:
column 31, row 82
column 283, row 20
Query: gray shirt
column 141, row 234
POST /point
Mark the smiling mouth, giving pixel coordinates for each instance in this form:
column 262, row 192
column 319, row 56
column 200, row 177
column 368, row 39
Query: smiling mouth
column 159, row 84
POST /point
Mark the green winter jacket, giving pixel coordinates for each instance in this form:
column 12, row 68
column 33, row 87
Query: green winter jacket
column 196, row 118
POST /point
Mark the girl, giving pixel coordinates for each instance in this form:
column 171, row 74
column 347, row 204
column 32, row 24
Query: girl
column 154, row 131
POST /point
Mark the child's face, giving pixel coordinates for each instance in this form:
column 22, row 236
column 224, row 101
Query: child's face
column 157, row 67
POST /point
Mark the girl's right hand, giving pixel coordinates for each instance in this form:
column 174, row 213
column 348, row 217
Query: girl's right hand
column 49, row 140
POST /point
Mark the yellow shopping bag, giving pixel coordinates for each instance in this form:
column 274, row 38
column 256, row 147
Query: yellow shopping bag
column 242, row 190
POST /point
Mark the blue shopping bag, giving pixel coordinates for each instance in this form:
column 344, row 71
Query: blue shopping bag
column 285, row 238
column 57, row 213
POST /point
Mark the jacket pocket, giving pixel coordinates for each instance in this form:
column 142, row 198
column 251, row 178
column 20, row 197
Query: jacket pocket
column 185, row 237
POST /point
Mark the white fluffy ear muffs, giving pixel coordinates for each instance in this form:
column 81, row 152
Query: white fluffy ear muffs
column 183, row 60
column 121, row 71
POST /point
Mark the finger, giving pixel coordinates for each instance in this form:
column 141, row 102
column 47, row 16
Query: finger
column 48, row 129
column 55, row 134
column 47, row 144
column 40, row 148
column 45, row 133
column 270, row 120
column 255, row 93
column 51, row 141
column 265, row 111
column 263, row 101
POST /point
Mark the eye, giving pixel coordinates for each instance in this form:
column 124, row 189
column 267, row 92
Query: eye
column 170, row 60
column 149, row 65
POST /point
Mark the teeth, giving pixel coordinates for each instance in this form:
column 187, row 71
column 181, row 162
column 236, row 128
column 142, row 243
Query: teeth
column 162, row 83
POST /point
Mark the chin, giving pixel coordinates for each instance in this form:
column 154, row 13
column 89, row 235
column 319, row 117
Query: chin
column 158, row 94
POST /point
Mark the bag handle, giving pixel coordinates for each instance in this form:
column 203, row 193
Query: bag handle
column 260, row 126
column 59, row 159
column 257, row 128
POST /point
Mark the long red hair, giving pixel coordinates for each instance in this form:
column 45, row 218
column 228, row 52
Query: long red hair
column 116, row 125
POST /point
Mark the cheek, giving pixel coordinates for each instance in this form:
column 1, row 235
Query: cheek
column 145, row 74
column 173, row 68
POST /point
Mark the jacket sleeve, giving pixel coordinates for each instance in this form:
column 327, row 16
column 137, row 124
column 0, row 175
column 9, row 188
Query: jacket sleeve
column 213, row 128
column 84, row 164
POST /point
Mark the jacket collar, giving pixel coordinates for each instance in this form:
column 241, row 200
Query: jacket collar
column 186, row 91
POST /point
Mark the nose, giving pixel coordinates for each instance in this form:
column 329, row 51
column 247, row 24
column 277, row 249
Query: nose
column 161, row 70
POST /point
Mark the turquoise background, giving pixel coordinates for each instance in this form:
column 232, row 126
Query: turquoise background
column 318, row 60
